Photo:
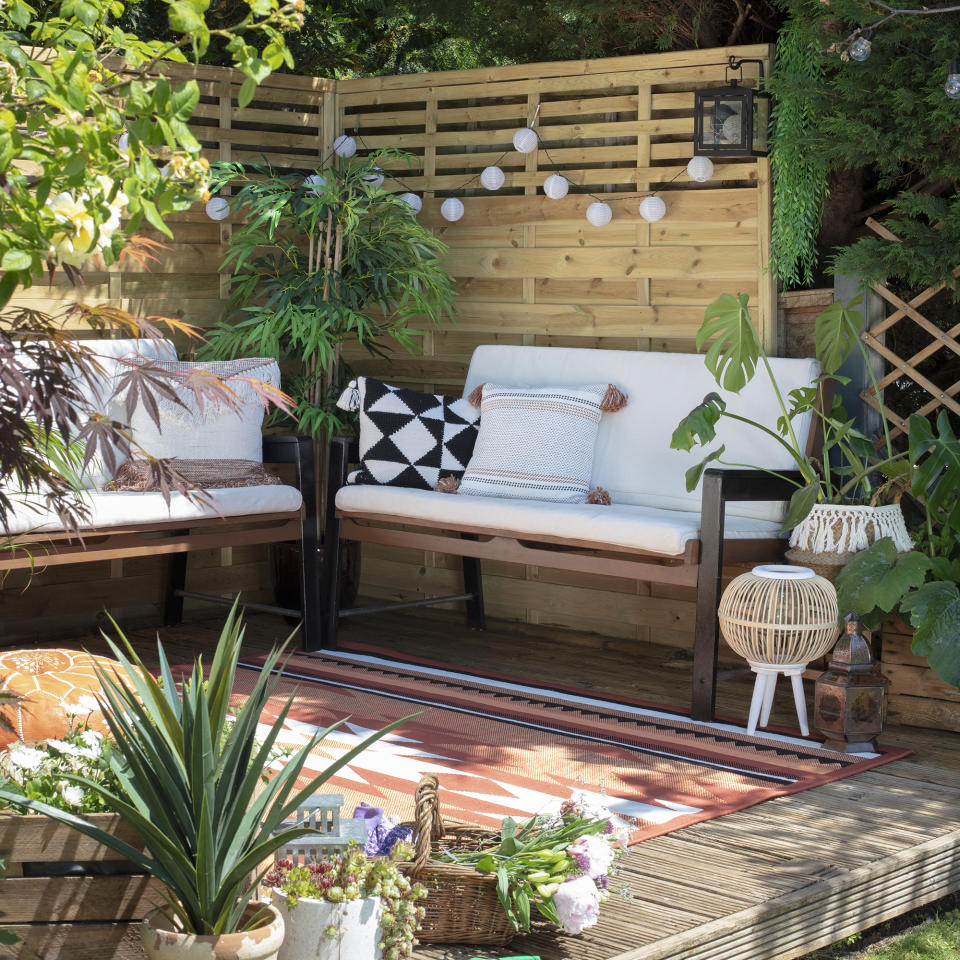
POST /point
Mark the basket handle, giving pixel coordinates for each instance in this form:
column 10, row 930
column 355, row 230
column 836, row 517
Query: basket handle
column 427, row 819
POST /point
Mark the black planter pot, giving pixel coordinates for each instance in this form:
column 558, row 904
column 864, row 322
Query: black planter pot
column 285, row 574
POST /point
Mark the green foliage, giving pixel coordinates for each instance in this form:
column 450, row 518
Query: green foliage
column 933, row 939
column 799, row 170
column 888, row 115
column 301, row 308
column 934, row 611
column 189, row 781
column 936, row 459
column 734, row 345
column 66, row 181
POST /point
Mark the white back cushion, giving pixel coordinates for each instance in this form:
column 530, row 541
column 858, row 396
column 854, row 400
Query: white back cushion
column 633, row 459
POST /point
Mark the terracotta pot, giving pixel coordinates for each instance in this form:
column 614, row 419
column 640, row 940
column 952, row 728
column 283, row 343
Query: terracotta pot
column 357, row 926
column 162, row 942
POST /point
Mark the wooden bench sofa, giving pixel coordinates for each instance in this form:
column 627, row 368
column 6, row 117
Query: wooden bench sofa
column 134, row 524
column 653, row 530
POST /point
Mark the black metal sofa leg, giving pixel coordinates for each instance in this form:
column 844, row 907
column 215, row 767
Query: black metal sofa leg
column 176, row 580
column 473, row 584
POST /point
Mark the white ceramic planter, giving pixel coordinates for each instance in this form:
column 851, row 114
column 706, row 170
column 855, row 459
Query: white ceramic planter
column 357, row 924
column 162, row 942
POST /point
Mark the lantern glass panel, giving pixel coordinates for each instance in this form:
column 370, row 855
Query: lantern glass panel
column 761, row 124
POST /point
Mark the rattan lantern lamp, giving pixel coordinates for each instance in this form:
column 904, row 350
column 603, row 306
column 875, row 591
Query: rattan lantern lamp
column 779, row 618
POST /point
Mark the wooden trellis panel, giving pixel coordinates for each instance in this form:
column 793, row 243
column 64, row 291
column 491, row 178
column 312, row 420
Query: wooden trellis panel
column 910, row 370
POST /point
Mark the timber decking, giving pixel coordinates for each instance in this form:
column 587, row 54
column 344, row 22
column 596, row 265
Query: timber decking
column 769, row 883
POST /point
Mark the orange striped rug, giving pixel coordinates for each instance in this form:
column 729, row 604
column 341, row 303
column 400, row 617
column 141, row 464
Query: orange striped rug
column 505, row 749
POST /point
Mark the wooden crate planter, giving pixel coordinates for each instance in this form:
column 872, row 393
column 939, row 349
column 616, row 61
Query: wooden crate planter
column 918, row 697
column 41, row 900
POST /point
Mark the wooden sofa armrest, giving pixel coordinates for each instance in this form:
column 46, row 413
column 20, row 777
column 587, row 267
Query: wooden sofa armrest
column 719, row 488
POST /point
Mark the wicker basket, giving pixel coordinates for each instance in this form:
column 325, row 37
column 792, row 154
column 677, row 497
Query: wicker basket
column 462, row 905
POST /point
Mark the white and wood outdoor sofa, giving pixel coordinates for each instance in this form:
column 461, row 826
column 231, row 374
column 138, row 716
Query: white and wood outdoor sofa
column 136, row 524
column 653, row 530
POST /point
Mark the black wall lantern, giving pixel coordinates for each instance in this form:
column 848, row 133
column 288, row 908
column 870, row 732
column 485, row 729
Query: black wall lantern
column 731, row 121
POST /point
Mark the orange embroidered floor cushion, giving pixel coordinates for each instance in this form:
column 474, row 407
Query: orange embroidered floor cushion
column 56, row 686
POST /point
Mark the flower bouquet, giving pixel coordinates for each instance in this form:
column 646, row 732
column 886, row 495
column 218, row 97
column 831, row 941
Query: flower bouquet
column 559, row 864
column 352, row 905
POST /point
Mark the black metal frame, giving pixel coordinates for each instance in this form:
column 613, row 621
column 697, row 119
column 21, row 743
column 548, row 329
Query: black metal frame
column 300, row 451
column 343, row 450
column 719, row 488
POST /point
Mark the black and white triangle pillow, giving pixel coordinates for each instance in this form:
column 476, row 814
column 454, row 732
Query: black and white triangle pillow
column 409, row 439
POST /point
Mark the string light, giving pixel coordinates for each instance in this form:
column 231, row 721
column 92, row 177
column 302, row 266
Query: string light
column 860, row 49
column 345, row 146
column 217, row 208
column 451, row 209
column 492, row 177
column 700, row 169
column 952, row 87
column 375, row 179
column 599, row 213
column 556, row 186
column 412, row 201
column 525, row 140
column 652, row 209
column 314, row 183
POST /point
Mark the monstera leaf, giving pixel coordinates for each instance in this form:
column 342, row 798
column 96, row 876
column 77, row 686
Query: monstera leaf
column 936, row 460
column 875, row 581
column 694, row 474
column 934, row 612
column 732, row 356
column 698, row 426
column 836, row 332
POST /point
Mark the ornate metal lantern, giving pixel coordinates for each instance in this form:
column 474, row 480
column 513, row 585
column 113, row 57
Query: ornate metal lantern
column 731, row 121
column 850, row 702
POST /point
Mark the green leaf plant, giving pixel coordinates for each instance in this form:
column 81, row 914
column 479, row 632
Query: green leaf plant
column 922, row 583
column 848, row 470
column 319, row 265
column 191, row 781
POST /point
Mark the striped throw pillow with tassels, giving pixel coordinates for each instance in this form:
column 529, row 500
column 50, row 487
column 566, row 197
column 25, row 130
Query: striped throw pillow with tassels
column 536, row 443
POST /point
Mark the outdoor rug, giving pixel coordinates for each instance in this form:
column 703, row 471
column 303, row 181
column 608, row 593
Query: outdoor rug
column 504, row 749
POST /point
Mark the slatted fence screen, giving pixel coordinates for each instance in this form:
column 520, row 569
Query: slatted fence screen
column 529, row 269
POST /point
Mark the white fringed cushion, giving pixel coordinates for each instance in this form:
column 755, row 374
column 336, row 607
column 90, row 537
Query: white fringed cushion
column 535, row 443
column 220, row 431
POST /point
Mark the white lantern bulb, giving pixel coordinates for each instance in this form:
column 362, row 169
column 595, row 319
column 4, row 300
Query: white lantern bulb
column 860, row 48
column 952, row 87
column 700, row 169
column 652, row 209
column 525, row 140
column 732, row 128
column 123, row 143
column 412, row 201
column 451, row 209
column 599, row 214
column 492, row 178
column 314, row 183
column 344, row 146
column 556, row 186
column 217, row 208
column 374, row 179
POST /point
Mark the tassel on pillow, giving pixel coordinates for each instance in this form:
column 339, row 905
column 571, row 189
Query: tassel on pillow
column 350, row 398
column 613, row 400
column 447, row 485
column 476, row 395
column 600, row 496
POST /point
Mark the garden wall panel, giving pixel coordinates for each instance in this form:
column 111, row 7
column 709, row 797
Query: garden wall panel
column 529, row 269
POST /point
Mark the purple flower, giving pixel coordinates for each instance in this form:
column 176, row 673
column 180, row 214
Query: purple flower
column 396, row 835
column 592, row 854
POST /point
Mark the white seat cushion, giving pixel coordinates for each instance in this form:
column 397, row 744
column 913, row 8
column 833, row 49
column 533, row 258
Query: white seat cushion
column 124, row 509
column 639, row 527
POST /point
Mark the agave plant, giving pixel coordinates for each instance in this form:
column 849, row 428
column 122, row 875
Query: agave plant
column 191, row 781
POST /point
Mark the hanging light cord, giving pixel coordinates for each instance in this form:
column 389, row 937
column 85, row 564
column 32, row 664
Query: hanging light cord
column 868, row 29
